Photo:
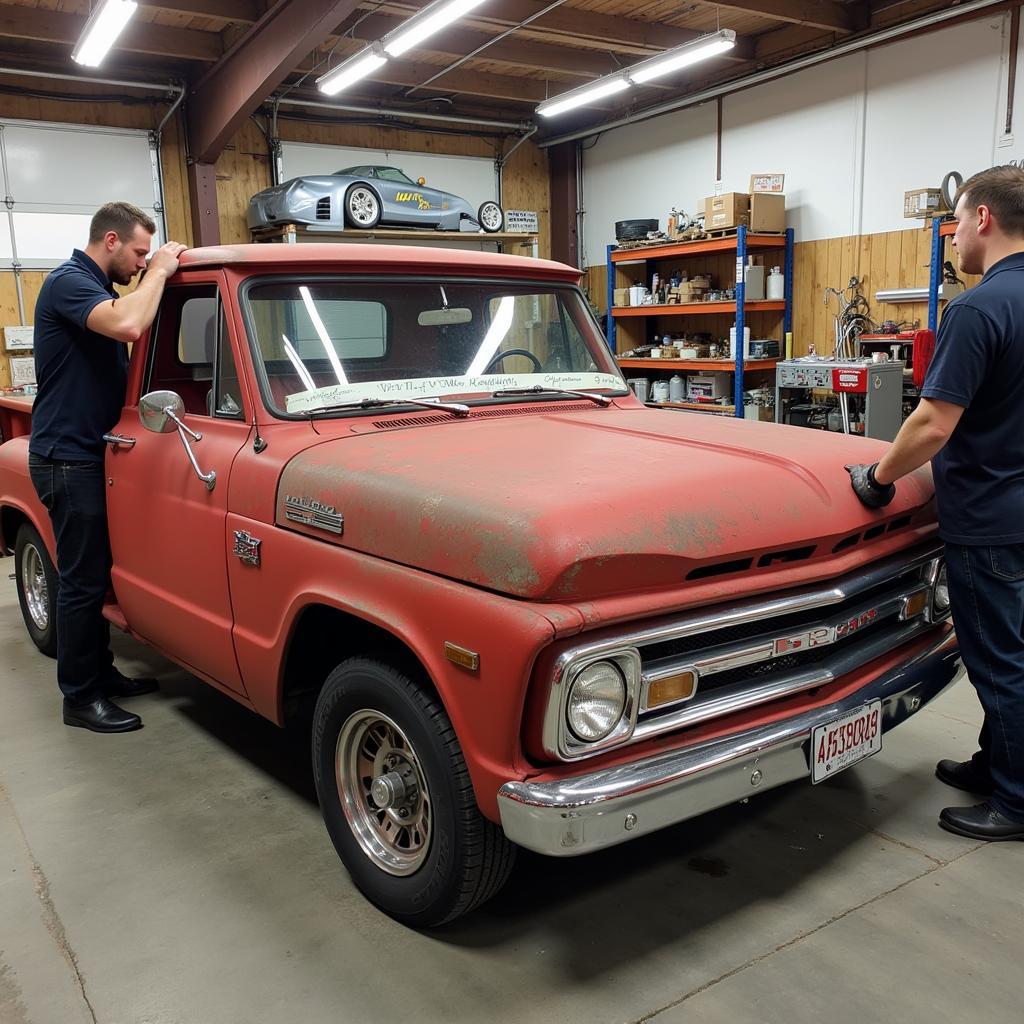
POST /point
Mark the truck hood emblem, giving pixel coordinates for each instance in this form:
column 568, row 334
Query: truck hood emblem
column 311, row 512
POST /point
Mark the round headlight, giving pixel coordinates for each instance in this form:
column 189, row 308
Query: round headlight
column 596, row 702
column 941, row 599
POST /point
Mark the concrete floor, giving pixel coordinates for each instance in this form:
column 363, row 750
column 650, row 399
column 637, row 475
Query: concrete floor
column 181, row 875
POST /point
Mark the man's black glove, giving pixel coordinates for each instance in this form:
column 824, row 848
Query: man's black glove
column 868, row 489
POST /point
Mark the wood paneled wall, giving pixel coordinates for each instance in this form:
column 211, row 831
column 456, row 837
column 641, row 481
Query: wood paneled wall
column 244, row 167
column 891, row 259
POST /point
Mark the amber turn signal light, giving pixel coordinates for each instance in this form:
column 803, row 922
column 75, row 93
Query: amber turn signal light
column 672, row 688
column 915, row 604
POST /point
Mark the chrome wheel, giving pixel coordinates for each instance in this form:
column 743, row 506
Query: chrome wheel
column 363, row 207
column 33, row 585
column 491, row 217
column 383, row 792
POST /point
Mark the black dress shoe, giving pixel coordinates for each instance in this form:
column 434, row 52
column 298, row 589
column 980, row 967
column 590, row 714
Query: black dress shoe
column 101, row 715
column 963, row 775
column 121, row 686
column 982, row 821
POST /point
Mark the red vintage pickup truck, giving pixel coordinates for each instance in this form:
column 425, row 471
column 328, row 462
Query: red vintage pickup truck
column 407, row 491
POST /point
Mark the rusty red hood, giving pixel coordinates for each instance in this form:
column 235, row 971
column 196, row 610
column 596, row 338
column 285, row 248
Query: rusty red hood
column 576, row 505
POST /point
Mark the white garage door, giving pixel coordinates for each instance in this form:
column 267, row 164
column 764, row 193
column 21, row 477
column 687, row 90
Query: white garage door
column 54, row 177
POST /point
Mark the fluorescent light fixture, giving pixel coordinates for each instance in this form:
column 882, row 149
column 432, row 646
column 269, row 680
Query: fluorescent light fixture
column 358, row 66
column 421, row 26
column 584, row 94
column 101, row 31
column 664, row 64
column 682, row 56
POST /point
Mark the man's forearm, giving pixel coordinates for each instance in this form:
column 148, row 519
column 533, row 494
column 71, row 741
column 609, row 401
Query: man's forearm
column 137, row 310
column 920, row 438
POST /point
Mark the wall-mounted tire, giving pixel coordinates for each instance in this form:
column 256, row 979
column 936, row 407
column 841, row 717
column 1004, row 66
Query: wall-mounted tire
column 397, row 799
column 37, row 588
column 490, row 216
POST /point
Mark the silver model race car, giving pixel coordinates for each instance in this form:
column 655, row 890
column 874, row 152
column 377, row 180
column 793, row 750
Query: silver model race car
column 365, row 197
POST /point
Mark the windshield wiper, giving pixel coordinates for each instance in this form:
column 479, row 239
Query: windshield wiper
column 538, row 390
column 374, row 403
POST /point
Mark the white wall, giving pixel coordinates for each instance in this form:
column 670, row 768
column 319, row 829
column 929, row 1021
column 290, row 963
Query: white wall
column 851, row 135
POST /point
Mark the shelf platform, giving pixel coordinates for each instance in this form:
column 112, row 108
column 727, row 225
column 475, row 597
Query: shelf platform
column 720, row 365
column 719, row 410
column 696, row 308
column 709, row 245
column 947, row 228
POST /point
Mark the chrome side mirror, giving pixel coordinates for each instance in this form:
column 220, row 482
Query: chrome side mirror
column 161, row 412
column 158, row 411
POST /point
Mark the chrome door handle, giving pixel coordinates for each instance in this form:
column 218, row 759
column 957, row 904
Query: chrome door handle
column 119, row 440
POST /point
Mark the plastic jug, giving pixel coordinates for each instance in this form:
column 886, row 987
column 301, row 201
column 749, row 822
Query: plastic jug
column 675, row 388
column 776, row 285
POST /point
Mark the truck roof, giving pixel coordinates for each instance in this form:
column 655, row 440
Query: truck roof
column 373, row 257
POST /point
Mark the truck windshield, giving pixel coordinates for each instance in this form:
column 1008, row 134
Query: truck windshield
column 322, row 342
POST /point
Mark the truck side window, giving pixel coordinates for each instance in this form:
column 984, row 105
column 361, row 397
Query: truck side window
column 190, row 342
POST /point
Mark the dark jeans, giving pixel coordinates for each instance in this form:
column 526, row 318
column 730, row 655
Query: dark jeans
column 986, row 589
column 74, row 493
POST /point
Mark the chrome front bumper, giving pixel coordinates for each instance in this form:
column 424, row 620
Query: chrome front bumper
column 588, row 812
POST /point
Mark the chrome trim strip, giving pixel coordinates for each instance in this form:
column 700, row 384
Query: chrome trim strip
column 719, row 617
column 575, row 815
column 747, row 695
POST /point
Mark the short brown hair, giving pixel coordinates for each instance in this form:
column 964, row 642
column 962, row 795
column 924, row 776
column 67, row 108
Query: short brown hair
column 119, row 217
column 1001, row 189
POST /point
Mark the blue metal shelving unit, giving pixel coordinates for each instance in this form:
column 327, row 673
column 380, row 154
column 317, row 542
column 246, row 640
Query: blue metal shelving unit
column 935, row 275
column 741, row 262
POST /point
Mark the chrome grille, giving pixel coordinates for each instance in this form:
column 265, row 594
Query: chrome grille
column 759, row 650
column 323, row 208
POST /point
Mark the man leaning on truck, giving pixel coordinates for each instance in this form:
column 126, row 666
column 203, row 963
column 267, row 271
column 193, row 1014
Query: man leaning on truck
column 81, row 331
column 970, row 423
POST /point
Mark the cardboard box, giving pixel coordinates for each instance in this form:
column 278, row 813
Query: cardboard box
column 712, row 385
column 923, row 202
column 726, row 211
column 767, row 212
column 621, row 297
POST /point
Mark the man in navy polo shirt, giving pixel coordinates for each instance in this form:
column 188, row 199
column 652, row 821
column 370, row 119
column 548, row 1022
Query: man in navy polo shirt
column 970, row 423
column 82, row 328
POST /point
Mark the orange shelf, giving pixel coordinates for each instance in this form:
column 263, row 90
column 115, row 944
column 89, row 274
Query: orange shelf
column 724, row 365
column 695, row 308
column 947, row 228
column 721, row 410
column 710, row 245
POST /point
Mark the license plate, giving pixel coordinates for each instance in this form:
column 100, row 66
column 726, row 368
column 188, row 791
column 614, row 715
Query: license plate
column 845, row 741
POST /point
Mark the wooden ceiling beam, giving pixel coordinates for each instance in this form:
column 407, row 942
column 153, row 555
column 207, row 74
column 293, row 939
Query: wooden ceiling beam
column 835, row 17
column 245, row 12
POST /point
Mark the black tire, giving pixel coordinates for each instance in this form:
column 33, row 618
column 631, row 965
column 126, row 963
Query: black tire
column 37, row 588
column 362, row 207
column 634, row 230
column 490, row 216
column 460, row 859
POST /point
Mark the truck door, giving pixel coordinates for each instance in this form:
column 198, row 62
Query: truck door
column 167, row 529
